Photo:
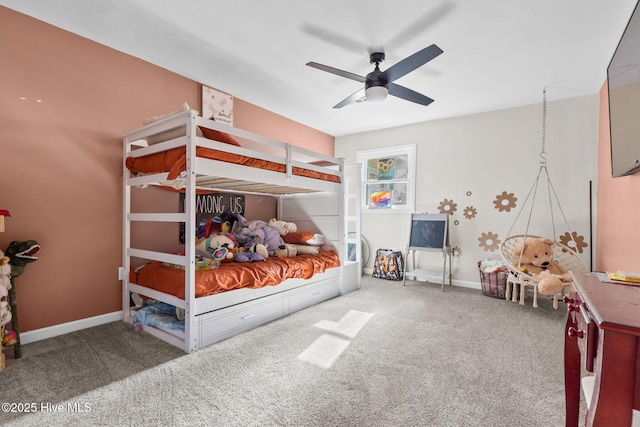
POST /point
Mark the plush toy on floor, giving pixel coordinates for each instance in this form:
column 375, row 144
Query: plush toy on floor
column 5, row 317
column 5, row 276
column 533, row 256
column 20, row 254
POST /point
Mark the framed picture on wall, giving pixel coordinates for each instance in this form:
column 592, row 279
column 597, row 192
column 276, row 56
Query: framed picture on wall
column 217, row 105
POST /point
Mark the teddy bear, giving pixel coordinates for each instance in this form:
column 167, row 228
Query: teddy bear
column 533, row 256
column 283, row 227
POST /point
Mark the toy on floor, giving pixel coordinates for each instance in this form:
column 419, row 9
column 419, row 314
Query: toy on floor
column 20, row 254
column 5, row 276
column 9, row 339
column 5, row 317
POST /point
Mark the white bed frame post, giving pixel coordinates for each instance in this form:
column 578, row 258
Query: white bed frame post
column 126, row 233
column 352, row 270
column 190, row 338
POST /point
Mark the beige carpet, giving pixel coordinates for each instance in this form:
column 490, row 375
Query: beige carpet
column 385, row 355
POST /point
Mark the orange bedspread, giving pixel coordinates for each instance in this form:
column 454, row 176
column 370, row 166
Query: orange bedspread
column 174, row 162
column 235, row 275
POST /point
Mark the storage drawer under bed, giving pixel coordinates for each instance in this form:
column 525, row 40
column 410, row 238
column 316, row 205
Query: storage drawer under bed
column 224, row 323
column 306, row 296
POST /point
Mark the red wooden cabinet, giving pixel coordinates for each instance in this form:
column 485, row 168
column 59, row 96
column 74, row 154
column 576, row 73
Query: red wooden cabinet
column 601, row 336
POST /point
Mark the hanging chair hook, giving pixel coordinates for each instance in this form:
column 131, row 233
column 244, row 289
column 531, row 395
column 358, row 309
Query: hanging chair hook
column 543, row 158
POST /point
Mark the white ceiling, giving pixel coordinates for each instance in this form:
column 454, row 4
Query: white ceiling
column 497, row 53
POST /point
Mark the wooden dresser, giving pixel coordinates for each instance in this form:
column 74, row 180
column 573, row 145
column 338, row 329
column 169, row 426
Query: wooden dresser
column 602, row 336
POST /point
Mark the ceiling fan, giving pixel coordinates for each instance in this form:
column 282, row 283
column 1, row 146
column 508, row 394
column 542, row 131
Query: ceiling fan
column 377, row 84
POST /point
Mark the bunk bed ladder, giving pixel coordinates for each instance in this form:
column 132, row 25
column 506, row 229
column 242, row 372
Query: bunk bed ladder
column 352, row 249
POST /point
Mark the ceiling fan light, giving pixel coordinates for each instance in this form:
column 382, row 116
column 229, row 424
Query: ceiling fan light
column 376, row 93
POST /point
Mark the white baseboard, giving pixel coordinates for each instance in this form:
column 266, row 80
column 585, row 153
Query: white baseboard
column 454, row 282
column 65, row 328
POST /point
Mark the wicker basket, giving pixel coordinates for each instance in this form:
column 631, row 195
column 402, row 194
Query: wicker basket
column 494, row 283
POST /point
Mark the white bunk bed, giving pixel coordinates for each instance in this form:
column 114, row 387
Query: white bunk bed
column 313, row 204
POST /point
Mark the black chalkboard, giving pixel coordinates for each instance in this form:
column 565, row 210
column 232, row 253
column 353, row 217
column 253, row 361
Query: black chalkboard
column 428, row 232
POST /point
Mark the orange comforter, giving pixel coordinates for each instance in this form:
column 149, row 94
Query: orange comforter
column 235, row 275
column 174, row 161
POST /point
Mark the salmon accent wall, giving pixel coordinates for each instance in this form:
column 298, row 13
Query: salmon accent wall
column 65, row 102
column 618, row 204
column 255, row 119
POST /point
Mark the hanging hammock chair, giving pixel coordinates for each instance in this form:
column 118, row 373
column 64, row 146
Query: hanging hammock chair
column 518, row 281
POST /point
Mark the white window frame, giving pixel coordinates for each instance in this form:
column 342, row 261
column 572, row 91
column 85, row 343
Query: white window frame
column 363, row 157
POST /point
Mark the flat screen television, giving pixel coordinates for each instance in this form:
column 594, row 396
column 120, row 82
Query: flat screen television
column 623, row 79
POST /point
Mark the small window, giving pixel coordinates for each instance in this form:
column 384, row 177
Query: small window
column 388, row 176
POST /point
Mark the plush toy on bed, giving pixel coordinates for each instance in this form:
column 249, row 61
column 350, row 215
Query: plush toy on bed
column 533, row 256
column 221, row 247
column 257, row 252
column 283, row 227
column 286, row 250
column 222, row 223
column 249, row 233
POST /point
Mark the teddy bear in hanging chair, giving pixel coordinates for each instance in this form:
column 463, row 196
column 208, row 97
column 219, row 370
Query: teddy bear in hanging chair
column 540, row 263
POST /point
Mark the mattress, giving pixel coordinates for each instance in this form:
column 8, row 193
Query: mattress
column 234, row 275
column 174, row 162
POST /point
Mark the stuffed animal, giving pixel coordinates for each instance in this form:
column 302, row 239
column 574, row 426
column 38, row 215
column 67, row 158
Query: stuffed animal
column 217, row 246
column 5, row 313
column 250, row 233
column 246, row 256
column 259, row 249
column 550, row 284
column 533, row 257
column 5, row 276
column 286, row 250
column 222, row 223
column 21, row 253
column 283, row 227
column 10, row 338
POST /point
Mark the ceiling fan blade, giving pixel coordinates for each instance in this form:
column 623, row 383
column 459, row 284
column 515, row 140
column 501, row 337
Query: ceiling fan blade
column 337, row 72
column 350, row 100
column 423, row 22
column 408, row 94
column 334, row 38
column 412, row 62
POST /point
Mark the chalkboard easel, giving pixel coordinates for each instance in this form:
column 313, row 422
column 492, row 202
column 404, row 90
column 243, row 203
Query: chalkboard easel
column 429, row 232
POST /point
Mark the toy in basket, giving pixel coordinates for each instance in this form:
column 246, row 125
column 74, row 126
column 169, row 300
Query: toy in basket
column 493, row 278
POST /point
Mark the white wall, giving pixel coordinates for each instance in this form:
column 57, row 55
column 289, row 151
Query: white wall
column 472, row 159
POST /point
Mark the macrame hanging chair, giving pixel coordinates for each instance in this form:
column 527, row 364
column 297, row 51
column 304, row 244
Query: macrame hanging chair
column 563, row 255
